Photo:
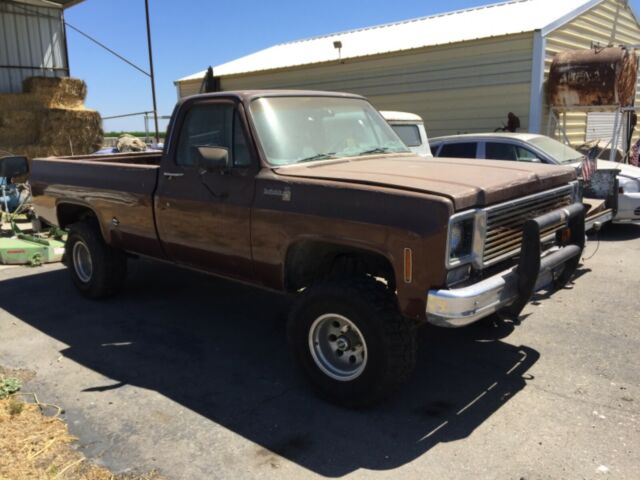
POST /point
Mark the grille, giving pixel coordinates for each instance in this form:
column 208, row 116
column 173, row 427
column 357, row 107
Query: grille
column 636, row 212
column 505, row 222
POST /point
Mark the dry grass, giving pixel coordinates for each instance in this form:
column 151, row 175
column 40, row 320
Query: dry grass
column 38, row 447
column 34, row 446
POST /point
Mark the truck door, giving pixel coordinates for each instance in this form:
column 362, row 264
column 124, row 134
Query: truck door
column 203, row 217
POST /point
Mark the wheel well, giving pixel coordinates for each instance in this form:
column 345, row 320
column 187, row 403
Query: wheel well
column 69, row 213
column 310, row 261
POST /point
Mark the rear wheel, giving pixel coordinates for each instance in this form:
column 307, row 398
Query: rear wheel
column 351, row 342
column 97, row 270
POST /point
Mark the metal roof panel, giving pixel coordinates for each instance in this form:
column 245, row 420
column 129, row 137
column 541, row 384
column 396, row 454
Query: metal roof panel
column 50, row 3
column 487, row 21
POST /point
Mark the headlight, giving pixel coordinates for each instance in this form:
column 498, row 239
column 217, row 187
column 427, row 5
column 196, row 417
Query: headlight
column 461, row 239
column 465, row 238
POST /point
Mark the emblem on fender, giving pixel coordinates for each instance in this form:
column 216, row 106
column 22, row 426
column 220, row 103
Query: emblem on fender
column 284, row 194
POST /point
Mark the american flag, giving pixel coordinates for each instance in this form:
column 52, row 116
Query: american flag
column 634, row 159
column 588, row 167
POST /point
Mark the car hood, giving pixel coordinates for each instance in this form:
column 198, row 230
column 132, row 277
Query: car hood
column 630, row 171
column 467, row 183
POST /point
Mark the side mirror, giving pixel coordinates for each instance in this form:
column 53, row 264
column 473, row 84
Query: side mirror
column 13, row 166
column 535, row 160
column 213, row 158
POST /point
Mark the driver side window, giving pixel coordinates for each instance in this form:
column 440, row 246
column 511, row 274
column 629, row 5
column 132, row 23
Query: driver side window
column 208, row 125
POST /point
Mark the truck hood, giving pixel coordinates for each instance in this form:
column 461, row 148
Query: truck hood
column 467, row 183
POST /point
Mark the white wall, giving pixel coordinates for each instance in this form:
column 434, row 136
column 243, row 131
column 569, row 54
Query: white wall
column 461, row 87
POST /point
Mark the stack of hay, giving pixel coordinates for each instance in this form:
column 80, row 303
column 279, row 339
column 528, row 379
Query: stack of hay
column 49, row 118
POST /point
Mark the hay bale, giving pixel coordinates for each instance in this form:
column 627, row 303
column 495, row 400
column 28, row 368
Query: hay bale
column 54, row 92
column 49, row 119
column 19, row 127
column 19, row 101
column 77, row 130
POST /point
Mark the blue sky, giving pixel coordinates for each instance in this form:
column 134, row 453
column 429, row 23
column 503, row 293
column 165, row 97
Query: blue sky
column 190, row 35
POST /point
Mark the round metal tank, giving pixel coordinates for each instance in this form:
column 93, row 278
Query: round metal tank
column 598, row 77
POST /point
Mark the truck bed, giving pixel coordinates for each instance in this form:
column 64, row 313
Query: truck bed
column 118, row 188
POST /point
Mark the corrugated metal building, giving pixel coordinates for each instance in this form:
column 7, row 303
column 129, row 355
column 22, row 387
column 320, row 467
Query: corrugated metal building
column 461, row 71
column 32, row 41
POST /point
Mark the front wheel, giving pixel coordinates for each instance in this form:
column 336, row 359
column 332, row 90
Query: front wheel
column 96, row 269
column 351, row 342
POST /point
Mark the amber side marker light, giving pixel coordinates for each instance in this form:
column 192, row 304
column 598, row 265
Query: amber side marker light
column 408, row 265
column 565, row 235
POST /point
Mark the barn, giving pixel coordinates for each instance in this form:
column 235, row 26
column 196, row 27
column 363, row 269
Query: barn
column 41, row 109
column 462, row 71
column 32, row 41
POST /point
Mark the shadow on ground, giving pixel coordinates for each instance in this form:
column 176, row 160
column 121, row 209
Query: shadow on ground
column 219, row 349
column 538, row 297
column 616, row 233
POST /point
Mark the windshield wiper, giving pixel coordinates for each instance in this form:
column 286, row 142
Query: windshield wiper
column 375, row 150
column 319, row 156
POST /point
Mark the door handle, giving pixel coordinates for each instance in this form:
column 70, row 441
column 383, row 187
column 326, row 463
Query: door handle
column 171, row 175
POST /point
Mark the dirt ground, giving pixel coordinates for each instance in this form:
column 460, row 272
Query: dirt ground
column 190, row 376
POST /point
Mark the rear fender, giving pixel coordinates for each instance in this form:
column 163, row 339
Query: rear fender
column 68, row 213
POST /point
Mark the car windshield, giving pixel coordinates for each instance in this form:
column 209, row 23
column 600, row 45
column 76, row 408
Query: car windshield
column 304, row 129
column 556, row 150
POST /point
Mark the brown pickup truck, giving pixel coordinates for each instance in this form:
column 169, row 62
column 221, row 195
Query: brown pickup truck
column 313, row 194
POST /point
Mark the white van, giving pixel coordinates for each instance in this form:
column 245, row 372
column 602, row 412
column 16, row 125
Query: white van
column 410, row 128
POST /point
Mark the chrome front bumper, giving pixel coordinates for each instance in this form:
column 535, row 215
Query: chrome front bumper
column 510, row 290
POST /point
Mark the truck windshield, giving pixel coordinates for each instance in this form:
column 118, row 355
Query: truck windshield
column 302, row 129
column 556, row 150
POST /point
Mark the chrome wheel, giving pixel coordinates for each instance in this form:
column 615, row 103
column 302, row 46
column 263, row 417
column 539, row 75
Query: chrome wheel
column 338, row 347
column 82, row 263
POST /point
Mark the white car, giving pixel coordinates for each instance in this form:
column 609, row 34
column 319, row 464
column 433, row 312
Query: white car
column 410, row 129
column 529, row 147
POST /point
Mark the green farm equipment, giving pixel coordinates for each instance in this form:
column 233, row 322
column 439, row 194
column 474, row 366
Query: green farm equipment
column 18, row 247
column 21, row 240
